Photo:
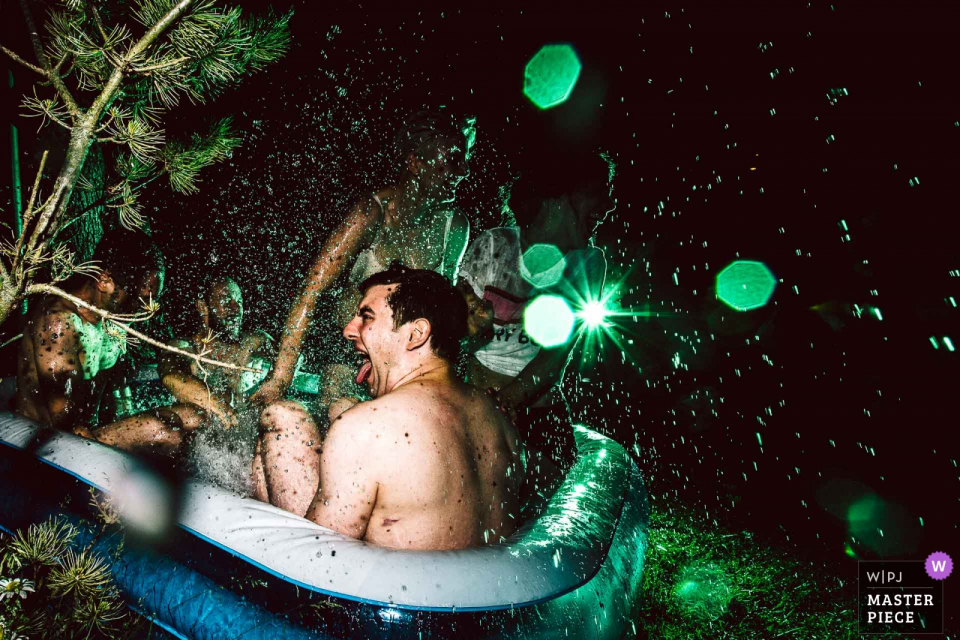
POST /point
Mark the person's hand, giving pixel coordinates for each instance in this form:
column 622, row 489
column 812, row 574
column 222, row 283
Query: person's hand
column 269, row 392
column 504, row 403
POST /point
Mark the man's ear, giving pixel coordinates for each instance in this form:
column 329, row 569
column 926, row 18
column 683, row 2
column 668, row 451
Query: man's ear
column 418, row 333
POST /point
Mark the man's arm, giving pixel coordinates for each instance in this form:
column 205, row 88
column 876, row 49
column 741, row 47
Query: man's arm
column 56, row 343
column 348, row 480
column 174, row 371
column 343, row 245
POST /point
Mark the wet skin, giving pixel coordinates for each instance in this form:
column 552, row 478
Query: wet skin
column 66, row 351
column 429, row 463
column 409, row 228
column 204, row 396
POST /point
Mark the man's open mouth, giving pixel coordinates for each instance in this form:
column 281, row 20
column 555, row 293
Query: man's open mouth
column 366, row 366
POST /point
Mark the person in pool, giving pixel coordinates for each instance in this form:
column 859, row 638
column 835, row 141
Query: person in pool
column 430, row 462
column 411, row 222
column 207, row 397
column 67, row 351
column 558, row 203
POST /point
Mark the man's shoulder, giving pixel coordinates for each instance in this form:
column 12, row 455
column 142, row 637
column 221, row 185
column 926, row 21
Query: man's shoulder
column 366, row 427
column 56, row 317
column 390, row 412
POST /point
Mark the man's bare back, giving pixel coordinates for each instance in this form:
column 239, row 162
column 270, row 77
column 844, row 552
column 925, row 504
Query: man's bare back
column 60, row 356
column 440, row 465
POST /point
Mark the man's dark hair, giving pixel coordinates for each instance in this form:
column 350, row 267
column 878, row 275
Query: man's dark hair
column 129, row 257
column 553, row 175
column 426, row 125
column 425, row 294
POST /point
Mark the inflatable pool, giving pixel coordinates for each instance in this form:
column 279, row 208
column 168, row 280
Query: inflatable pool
column 238, row 568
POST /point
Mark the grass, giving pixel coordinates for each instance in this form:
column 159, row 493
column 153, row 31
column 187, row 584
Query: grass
column 704, row 581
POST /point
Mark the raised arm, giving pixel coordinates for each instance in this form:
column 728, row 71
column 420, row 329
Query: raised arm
column 348, row 483
column 56, row 342
column 347, row 240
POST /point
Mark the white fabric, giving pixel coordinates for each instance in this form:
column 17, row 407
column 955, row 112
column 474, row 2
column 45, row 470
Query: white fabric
column 493, row 263
column 522, row 570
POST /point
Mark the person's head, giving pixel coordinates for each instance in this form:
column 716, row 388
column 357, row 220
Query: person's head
column 222, row 305
column 564, row 196
column 434, row 152
column 131, row 268
column 405, row 318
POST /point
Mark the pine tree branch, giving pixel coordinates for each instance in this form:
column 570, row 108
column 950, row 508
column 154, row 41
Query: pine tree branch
column 162, row 65
column 113, row 84
column 105, row 201
column 13, row 56
column 28, row 213
column 106, row 315
column 63, row 124
column 41, row 54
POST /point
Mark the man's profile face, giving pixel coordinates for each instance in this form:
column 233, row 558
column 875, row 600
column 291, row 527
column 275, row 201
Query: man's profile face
column 443, row 164
column 225, row 306
column 372, row 334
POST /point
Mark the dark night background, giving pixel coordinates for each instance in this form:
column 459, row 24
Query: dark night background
column 729, row 146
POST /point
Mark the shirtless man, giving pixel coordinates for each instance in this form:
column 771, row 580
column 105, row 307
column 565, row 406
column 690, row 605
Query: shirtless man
column 430, row 462
column 67, row 350
column 211, row 398
column 411, row 222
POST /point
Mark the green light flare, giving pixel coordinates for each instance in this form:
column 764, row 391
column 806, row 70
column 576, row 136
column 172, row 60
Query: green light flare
column 877, row 313
column 759, row 439
column 843, row 223
column 594, row 315
column 549, row 320
column 745, row 285
column 952, row 301
column 550, row 76
column 542, row 265
column 933, row 341
column 948, row 342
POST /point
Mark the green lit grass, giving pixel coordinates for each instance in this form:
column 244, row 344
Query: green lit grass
column 771, row 593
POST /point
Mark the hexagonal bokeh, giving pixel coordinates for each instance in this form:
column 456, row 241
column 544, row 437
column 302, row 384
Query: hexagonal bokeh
column 550, row 76
column 542, row 265
column 746, row 285
column 549, row 320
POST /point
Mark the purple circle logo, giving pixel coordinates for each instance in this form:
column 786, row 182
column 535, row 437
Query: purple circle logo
column 938, row 565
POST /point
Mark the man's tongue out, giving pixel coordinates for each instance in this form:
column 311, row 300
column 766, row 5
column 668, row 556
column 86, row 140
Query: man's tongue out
column 364, row 372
